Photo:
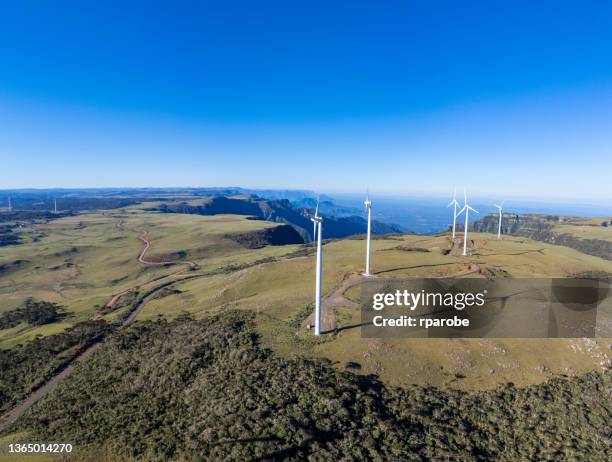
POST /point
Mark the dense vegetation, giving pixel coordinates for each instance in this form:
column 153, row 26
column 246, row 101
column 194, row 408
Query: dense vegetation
column 204, row 390
column 30, row 215
column 279, row 235
column 28, row 205
column 32, row 312
column 7, row 235
column 26, row 367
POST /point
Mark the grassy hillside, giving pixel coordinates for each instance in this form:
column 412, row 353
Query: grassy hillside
column 592, row 236
column 81, row 262
column 281, row 293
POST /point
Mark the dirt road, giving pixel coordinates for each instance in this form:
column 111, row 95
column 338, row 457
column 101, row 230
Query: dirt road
column 16, row 412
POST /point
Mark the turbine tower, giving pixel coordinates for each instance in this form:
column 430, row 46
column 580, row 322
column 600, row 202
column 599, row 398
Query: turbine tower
column 55, row 205
column 499, row 207
column 10, row 207
column 368, row 206
column 455, row 204
column 466, row 208
column 314, row 232
column 317, row 220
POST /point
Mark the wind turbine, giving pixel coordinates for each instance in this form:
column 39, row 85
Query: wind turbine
column 314, row 223
column 368, row 206
column 466, row 208
column 499, row 207
column 55, row 205
column 10, row 208
column 455, row 204
column 317, row 220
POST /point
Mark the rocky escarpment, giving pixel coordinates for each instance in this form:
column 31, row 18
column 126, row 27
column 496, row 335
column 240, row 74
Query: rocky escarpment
column 279, row 235
column 542, row 228
column 280, row 211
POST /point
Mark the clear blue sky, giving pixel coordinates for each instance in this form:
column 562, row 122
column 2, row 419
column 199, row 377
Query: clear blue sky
column 510, row 98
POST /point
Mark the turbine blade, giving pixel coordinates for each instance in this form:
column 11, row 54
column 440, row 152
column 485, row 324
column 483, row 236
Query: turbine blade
column 461, row 211
column 472, row 209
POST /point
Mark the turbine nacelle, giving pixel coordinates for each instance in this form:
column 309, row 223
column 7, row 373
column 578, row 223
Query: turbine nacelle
column 453, row 202
column 316, row 218
column 467, row 207
column 367, row 202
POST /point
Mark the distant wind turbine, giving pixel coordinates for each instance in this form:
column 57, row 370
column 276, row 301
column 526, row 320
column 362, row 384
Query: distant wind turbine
column 10, row 208
column 455, row 204
column 466, row 208
column 55, row 205
column 499, row 207
column 317, row 220
column 368, row 205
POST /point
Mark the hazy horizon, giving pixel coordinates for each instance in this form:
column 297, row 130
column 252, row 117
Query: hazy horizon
column 419, row 214
column 342, row 194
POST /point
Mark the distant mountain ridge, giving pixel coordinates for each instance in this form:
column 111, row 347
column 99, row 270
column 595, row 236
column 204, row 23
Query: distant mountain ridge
column 327, row 207
column 281, row 211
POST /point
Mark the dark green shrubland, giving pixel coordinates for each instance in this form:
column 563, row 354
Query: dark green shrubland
column 204, row 390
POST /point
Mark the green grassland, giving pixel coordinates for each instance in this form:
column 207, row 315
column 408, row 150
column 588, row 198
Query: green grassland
column 278, row 285
column 280, row 291
column 585, row 228
column 81, row 262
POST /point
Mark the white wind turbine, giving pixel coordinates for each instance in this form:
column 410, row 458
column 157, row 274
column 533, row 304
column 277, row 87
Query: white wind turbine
column 55, row 205
column 499, row 207
column 368, row 205
column 466, row 208
column 455, row 204
column 314, row 223
column 317, row 220
column 10, row 208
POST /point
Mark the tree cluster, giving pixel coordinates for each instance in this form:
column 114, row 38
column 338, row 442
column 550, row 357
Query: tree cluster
column 33, row 312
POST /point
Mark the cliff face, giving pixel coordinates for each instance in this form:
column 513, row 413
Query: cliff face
column 279, row 235
column 281, row 211
column 517, row 225
column 542, row 228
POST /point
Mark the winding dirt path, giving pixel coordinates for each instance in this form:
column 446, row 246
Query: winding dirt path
column 144, row 237
column 333, row 300
column 337, row 298
column 16, row 412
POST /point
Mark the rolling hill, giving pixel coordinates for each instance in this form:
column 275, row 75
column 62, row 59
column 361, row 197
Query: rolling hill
column 592, row 236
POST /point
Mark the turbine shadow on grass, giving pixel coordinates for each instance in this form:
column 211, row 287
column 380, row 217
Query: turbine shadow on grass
column 390, row 270
column 347, row 327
